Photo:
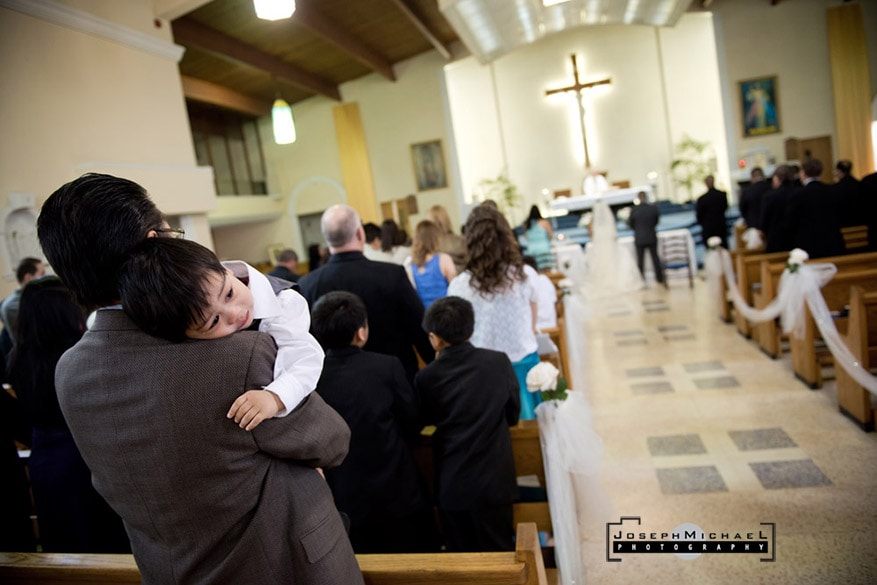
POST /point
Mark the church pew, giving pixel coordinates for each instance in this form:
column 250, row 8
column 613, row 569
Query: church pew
column 748, row 272
column 861, row 339
column 807, row 362
column 768, row 334
column 855, row 238
column 523, row 566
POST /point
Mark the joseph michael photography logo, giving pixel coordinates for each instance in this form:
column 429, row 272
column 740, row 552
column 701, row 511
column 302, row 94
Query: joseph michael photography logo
column 629, row 536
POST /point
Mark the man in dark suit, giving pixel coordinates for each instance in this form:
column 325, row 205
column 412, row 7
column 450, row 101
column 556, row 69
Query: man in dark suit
column 287, row 264
column 203, row 501
column 752, row 198
column 775, row 211
column 814, row 215
column 710, row 213
column 643, row 220
column 848, row 193
column 394, row 309
column 869, row 204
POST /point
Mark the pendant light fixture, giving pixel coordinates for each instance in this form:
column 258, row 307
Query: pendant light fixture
column 274, row 9
column 284, row 126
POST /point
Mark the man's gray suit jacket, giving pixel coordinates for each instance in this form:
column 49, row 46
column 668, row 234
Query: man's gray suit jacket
column 205, row 501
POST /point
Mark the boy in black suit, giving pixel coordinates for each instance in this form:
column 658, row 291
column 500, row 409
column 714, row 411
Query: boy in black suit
column 377, row 485
column 472, row 396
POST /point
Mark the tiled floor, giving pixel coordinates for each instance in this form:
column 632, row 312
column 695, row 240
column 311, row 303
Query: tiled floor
column 700, row 427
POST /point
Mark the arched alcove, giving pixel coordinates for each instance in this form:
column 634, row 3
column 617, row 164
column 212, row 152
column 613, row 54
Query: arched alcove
column 18, row 232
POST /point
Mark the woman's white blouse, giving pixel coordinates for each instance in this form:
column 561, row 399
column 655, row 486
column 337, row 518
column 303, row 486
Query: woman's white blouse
column 503, row 321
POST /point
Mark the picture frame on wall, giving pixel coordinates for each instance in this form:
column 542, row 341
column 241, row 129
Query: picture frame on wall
column 429, row 165
column 759, row 106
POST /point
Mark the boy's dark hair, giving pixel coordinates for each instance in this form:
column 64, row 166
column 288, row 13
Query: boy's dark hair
column 372, row 232
column 451, row 318
column 25, row 267
column 95, row 219
column 531, row 262
column 162, row 285
column 336, row 317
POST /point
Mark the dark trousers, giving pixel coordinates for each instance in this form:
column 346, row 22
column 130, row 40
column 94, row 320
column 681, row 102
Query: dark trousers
column 656, row 262
column 480, row 530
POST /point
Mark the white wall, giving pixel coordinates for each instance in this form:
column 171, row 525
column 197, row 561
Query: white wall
column 72, row 101
column 308, row 175
column 631, row 125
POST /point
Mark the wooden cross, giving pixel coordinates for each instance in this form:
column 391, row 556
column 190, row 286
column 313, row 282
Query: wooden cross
column 580, row 88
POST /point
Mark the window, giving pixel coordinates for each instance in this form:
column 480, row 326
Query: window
column 229, row 142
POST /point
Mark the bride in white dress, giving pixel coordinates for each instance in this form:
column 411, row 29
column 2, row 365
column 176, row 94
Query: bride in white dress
column 609, row 269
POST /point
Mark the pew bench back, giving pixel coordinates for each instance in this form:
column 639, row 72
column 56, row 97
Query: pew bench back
column 853, row 399
column 524, row 566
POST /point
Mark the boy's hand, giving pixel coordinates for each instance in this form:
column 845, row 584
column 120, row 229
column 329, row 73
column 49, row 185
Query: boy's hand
column 254, row 406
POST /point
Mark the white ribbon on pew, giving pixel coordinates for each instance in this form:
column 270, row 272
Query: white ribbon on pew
column 571, row 452
column 795, row 288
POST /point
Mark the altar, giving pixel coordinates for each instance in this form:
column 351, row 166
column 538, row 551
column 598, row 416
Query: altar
column 614, row 198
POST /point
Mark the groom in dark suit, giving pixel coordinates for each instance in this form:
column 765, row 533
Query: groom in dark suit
column 394, row 310
column 643, row 220
column 710, row 212
column 203, row 501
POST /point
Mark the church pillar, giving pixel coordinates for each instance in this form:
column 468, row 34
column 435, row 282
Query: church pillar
column 355, row 165
column 851, row 86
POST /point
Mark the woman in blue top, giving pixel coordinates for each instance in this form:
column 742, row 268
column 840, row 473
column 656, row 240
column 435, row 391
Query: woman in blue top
column 431, row 270
column 538, row 233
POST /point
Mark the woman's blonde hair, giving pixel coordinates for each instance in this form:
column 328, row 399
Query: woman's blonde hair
column 439, row 216
column 427, row 240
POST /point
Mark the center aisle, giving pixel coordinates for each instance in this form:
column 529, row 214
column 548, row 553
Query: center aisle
column 702, row 428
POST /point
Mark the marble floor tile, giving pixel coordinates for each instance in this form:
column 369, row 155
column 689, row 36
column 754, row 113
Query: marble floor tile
column 676, row 445
column 756, row 439
column 716, row 383
column 651, row 388
column 697, row 367
column 690, row 480
column 629, row 342
column 666, row 328
column 628, row 332
column 775, row 475
column 647, row 371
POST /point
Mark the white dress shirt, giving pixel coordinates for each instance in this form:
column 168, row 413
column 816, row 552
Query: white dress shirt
column 286, row 318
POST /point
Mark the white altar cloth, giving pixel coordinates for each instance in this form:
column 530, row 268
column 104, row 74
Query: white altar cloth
column 612, row 197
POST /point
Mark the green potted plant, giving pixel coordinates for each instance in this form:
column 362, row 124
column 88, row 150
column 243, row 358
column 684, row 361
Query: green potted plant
column 693, row 162
column 502, row 191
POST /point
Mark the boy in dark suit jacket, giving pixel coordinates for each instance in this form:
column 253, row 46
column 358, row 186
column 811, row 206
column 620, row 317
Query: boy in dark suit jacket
column 472, row 396
column 377, row 485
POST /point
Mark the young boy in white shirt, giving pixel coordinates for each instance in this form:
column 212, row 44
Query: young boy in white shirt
column 177, row 290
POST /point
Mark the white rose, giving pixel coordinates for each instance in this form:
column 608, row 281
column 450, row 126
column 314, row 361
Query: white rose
column 542, row 377
column 623, row 214
column 585, row 219
column 565, row 283
column 798, row 256
column 714, row 242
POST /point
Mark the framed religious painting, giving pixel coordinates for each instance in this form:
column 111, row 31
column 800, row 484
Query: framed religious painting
column 429, row 165
column 759, row 106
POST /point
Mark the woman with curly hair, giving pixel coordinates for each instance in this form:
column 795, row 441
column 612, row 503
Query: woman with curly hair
column 429, row 268
column 500, row 287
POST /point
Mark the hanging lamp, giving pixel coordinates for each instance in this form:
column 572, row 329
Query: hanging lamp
column 274, row 9
column 284, row 126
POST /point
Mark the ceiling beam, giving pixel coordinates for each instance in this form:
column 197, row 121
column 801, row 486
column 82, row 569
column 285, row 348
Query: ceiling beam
column 424, row 30
column 189, row 32
column 307, row 16
column 219, row 95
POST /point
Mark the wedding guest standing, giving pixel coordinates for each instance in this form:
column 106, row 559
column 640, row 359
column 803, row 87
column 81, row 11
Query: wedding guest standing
column 710, row 211
column 452, row 244
column 500, row 288
column 471, row 396
column 643, row 220
column 814, row 215
column 431, row 270
column 538, row 234
column 72, row 516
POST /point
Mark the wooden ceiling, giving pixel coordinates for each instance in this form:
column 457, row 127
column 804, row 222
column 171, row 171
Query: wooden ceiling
column 235, row 60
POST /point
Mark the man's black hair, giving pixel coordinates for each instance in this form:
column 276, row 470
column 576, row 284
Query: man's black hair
column 336, row 317
column 87, row 228
column 451, row 318
column 161, row 285
column 25, row 267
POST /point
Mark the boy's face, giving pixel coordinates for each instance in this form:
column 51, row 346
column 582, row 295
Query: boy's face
column 230, row 309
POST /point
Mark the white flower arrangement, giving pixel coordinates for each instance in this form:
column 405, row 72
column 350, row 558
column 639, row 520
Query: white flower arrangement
column 714, row 242
column 544, row 378
column 623, row 214
column 585, row 219
column 797, row 257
